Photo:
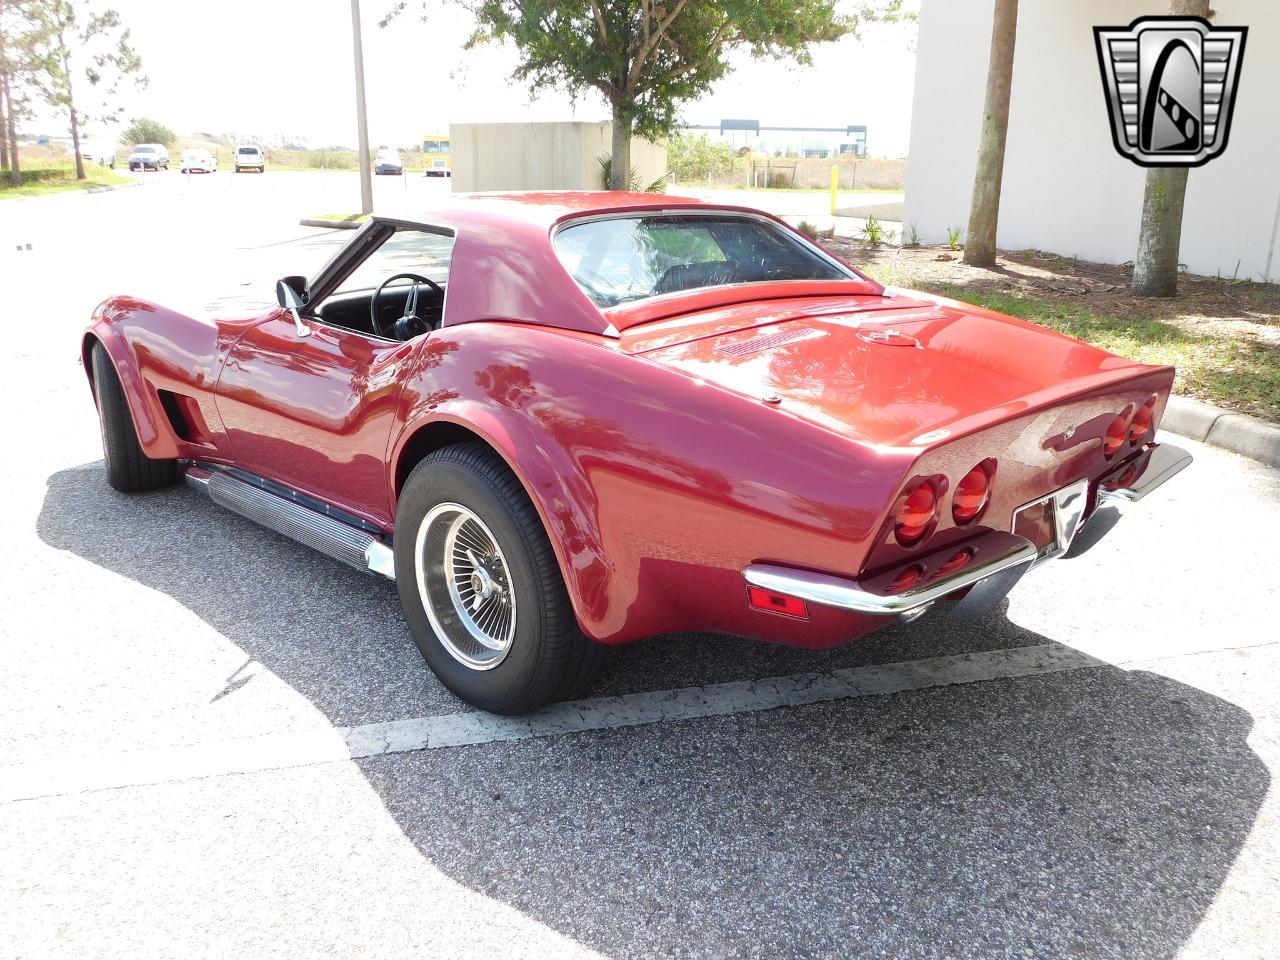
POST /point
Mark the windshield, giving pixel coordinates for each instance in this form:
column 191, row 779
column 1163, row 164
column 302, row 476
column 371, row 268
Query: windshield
column 623, row 259
column 144, row 149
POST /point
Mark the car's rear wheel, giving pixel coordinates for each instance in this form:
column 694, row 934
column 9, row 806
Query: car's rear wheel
column 481, row 589
column 129, row 470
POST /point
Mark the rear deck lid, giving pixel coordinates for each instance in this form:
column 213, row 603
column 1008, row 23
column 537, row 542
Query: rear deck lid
column 894, row 371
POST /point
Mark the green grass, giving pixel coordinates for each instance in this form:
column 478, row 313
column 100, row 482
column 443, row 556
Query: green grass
column 60, row 179
column 1235, row 371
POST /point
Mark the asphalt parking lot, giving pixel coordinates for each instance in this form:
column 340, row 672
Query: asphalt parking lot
column 215, row 743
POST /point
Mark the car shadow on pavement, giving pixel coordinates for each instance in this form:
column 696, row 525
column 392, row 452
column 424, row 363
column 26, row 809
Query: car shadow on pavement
column 1094, row 812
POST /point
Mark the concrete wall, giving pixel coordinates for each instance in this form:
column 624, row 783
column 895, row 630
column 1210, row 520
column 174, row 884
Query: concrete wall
column 1065, row 188
column 542, row 156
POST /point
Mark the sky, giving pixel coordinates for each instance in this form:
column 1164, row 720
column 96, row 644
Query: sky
column 261, row 68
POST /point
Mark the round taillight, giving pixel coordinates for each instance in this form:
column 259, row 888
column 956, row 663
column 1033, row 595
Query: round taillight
column 907, row 579
column 1117, row 433
column 1141, row 423
column 915, row 516
column 972, row 493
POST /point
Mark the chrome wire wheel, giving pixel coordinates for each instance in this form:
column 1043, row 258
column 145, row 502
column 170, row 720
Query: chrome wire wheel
column 465, row 586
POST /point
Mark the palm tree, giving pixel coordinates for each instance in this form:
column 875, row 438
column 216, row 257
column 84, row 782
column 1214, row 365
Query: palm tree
column 1155, row 267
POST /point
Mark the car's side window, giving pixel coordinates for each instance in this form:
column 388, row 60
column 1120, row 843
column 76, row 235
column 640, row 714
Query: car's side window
column 405, row 251
column 397, row 291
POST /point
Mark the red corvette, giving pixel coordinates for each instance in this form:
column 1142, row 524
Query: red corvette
column 564, row 421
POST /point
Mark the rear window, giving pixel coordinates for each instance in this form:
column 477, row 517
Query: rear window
column 624, row 259
column 252, row 151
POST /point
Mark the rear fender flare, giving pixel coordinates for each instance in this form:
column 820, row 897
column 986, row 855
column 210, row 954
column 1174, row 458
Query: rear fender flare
column 560, row 493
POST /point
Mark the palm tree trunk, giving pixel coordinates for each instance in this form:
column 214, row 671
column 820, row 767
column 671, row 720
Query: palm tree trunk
column 984, row 209
column 1155, row 267
column 620, row 163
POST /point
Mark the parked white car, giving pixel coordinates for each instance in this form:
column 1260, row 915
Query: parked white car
column 101, row 152
column 149, row 156
column 250, row 157
column 388, row 161
column 199, row 161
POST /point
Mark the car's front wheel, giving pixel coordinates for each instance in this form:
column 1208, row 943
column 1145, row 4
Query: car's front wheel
column 481, row 588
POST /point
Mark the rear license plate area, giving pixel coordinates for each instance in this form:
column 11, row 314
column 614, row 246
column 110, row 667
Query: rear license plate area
column 1036, row 523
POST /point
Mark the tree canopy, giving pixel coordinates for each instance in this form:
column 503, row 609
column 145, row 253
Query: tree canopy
column 53, row 50
column 142, row 130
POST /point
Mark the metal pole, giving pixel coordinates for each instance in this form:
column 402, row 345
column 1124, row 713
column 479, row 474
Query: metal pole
column 362, row 121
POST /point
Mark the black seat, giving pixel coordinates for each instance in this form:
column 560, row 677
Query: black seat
column 690, row 276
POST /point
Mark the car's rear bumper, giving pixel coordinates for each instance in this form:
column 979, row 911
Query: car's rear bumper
column 912, row 587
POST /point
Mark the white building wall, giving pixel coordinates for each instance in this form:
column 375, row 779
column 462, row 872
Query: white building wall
column 1066, row 189
column 542, row 156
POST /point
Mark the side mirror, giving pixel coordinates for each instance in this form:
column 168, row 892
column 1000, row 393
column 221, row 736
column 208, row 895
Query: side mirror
column 291, row 293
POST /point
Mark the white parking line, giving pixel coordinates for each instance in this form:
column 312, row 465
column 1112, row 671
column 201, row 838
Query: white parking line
column 66, row 774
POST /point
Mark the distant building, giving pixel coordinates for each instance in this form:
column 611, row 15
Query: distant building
column 1065, row 188
column 784, row 141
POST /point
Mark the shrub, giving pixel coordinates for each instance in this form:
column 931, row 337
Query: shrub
column 633, row 178
column 692, row 157
column 142, row 130
column 813, row 233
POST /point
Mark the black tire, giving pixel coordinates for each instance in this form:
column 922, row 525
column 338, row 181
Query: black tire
column 549, row 658
column 129, row 470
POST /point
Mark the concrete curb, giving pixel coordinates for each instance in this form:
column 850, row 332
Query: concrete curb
column 109, row 187
column 335, row 224
column 1245, row 435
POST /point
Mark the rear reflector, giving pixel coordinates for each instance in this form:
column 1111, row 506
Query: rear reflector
column 907, row 578
column 771, row 602
column 958, row 561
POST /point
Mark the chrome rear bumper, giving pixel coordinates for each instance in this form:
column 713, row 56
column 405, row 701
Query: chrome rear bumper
column 1133, row 481
column 990, row 554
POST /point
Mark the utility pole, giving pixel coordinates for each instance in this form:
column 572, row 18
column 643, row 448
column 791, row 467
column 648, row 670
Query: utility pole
column 362, row 120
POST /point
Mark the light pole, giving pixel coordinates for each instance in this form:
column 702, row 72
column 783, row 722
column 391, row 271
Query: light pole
column 362, row 121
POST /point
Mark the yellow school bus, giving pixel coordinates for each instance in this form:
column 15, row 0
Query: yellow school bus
column 435, row 152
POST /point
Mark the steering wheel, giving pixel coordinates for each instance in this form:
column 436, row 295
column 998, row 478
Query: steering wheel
column 409, row 325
